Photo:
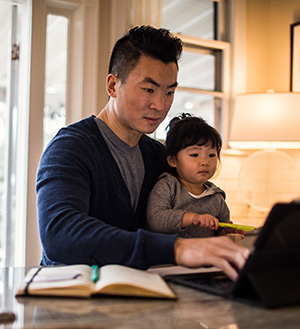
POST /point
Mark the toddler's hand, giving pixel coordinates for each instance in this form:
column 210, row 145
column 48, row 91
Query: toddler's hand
column 206, row 221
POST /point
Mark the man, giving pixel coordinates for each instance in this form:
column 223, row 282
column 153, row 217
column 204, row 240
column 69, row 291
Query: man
column 95, row 176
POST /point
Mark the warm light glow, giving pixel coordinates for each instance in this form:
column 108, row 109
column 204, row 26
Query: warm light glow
column 266, row 120
column 245, row 145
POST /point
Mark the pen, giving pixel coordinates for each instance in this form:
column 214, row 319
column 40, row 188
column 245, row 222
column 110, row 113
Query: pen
column 237, row 226
column 95, row 275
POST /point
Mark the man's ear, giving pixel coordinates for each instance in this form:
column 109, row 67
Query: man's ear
column 171, row 161
column 111, row 83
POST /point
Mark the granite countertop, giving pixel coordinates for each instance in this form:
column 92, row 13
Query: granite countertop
column 191, row 309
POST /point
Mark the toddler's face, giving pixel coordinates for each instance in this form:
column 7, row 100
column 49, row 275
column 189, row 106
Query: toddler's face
column 195, row 165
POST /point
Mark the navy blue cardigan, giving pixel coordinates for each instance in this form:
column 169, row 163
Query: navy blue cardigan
column 84, row 210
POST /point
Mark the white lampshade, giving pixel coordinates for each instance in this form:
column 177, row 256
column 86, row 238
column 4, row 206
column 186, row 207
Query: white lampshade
column 266, row 120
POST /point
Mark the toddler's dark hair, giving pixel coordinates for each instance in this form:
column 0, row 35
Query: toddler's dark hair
column 186, row 130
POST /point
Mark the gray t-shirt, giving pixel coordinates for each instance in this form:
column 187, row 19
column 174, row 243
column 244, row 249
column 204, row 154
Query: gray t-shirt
column 169, row 200
column 129, row 160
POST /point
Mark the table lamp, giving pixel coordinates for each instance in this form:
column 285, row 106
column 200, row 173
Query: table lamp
column 267, row 122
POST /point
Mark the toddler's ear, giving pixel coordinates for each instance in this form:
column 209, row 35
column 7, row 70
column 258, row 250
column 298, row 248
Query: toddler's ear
column 171, row 161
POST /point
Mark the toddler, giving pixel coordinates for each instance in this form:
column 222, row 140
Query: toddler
column 184, row 201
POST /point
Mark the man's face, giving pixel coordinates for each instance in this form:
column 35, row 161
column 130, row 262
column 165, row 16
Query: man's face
column 143, row 101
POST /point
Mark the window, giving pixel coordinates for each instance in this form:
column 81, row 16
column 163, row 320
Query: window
column 5, row 31
column 195, row 18
column 56, row 74
column 26, row 120
column 203, row 79
column 12, row 34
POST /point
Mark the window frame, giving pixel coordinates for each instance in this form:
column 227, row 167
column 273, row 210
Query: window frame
column 17, row 126
column 82, row 82
column 222, row 77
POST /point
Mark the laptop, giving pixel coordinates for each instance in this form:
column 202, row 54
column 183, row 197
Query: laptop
column 271, row 275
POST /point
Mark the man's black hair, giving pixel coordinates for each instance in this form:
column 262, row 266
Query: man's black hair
column 156, row 43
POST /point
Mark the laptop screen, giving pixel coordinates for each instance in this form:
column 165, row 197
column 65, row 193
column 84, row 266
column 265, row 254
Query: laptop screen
column 271, row 274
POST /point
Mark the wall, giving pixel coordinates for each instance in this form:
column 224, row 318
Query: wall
column 268, row 43
column 261, row 61
column 275, row 181
column 228, row 179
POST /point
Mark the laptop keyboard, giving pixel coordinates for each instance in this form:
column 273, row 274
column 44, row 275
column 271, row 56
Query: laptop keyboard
column 218, row 284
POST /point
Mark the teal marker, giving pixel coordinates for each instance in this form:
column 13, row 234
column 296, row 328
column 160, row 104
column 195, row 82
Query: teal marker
column 238, row 227
column 95, row 273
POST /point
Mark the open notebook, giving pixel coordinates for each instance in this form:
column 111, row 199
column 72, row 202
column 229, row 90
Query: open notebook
column 271, row 274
